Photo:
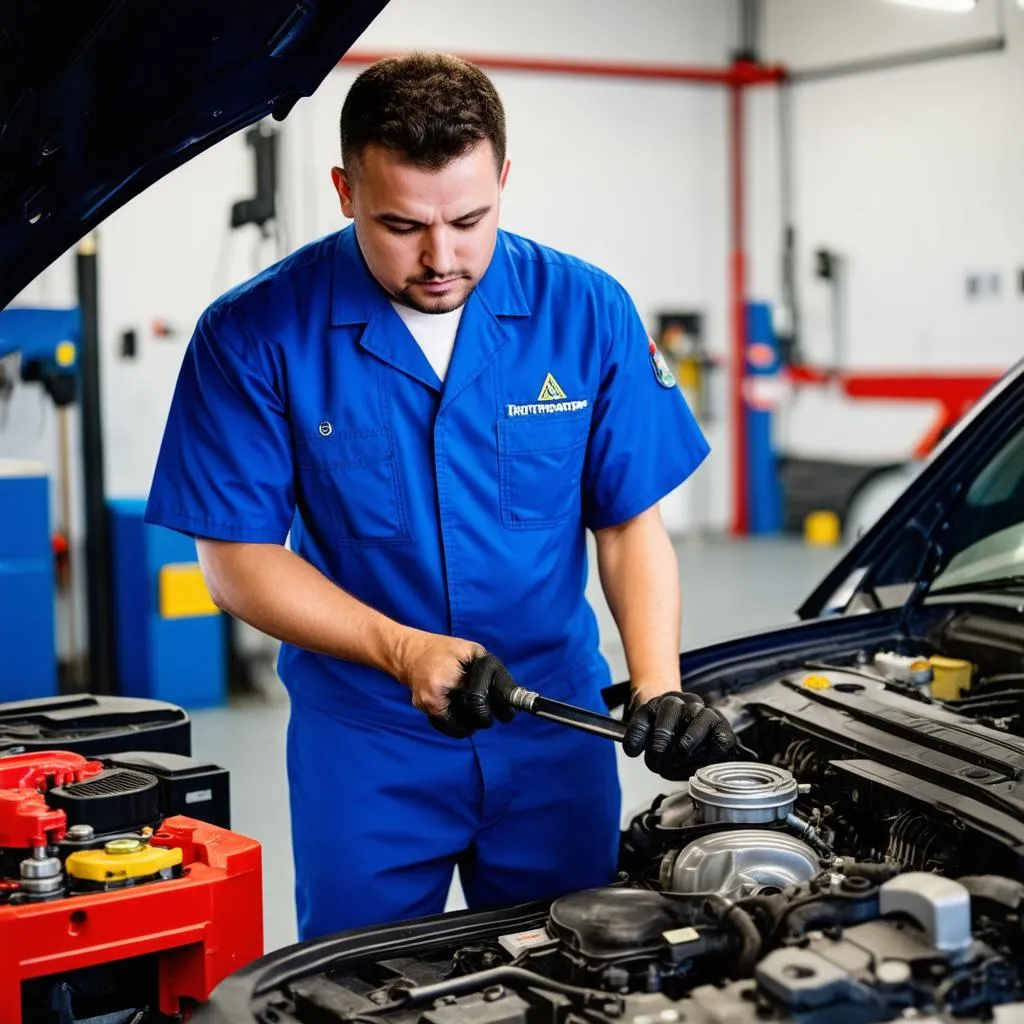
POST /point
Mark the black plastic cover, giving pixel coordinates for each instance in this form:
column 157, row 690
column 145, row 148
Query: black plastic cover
column 187, row 785
column 116, row 800
column 90, row 725
column 605, row 923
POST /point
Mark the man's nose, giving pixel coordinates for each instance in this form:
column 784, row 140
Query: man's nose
column 439, row 251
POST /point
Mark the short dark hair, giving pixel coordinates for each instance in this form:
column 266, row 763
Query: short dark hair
column 428, row 108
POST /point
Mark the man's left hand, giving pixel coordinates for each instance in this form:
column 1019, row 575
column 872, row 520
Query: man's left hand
column 676, row 734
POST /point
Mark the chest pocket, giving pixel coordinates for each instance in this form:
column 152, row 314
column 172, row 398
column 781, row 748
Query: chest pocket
column 352, row 486
column 540, row 463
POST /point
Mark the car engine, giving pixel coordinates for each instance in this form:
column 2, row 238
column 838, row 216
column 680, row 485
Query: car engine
column 859, row 860
column 732, row 884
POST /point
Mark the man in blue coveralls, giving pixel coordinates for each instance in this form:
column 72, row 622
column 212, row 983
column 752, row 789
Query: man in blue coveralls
column 436, row 412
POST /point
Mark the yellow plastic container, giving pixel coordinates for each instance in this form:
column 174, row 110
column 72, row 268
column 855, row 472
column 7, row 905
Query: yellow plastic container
column 183, row 592
column 822, row 529
column 952, row 677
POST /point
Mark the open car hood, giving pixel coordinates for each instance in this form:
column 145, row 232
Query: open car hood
column 901, row 547
column 101, row 98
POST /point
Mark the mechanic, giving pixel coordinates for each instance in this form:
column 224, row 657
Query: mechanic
column 432, row 412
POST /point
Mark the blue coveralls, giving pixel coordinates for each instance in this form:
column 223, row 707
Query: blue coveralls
column 304, row 406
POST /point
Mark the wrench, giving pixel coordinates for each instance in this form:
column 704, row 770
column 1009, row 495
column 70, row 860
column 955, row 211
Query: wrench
column 567, row 714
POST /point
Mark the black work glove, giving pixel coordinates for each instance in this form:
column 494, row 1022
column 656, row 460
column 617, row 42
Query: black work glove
column 480, row 697
column 677, row 734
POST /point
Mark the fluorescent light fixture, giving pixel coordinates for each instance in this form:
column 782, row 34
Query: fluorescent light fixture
column 952, row 6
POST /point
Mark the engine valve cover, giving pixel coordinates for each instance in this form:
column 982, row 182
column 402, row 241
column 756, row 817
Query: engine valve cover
column 737, row 864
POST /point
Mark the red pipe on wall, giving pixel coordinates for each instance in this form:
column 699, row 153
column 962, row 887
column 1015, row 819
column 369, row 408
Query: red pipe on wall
column 737, row 302
column 741, row 73
column 736, row 78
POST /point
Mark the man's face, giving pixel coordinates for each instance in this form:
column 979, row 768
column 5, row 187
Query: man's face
column 427, row 236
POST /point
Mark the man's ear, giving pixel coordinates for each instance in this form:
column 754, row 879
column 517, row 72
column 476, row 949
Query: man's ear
column 504, row 174
column 343, row 186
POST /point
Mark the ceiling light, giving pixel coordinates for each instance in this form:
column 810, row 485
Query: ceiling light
column 952, row 6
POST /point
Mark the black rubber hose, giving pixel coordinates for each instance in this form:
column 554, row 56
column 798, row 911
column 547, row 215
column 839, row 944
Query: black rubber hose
column 765, row 911
column 750, row 939
column 743, row 924
column 874, row 873
column 513, row 977
column 705, row 907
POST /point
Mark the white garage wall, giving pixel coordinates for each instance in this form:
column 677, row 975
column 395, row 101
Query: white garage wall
column 914, row 176
column 631, row 176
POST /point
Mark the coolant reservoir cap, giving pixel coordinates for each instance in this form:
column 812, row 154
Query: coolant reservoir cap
column 817, row 682
column 106, row 866
column 122, row 846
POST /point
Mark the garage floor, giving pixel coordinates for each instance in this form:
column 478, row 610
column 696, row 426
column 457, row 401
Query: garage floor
column 728, row 589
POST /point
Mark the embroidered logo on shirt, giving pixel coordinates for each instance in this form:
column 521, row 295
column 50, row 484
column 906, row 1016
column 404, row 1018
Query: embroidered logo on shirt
column 551, row 399
column 326, row 429
column 550, row 392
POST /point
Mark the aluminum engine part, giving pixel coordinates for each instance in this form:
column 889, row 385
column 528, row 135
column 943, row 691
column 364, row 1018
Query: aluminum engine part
column 939, row 905
column 736, row 864
column 805, row 981
column 740, row 792
column 41, row 875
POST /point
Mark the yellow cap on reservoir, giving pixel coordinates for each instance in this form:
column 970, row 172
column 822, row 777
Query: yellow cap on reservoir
column 817, row 682
column 120, row 864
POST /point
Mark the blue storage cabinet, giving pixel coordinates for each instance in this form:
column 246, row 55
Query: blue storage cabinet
column 168, row 647
column 28, row 651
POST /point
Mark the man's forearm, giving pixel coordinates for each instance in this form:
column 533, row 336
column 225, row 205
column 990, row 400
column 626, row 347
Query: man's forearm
column 299, row 605
column 640, row 577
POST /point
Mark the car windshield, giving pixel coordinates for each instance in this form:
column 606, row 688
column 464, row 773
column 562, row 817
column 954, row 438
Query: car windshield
column 986, row 533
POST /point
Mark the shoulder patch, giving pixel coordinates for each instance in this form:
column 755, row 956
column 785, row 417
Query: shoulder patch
column 662, row 374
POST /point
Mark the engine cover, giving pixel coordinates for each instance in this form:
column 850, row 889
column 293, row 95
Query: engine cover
column 605, row 923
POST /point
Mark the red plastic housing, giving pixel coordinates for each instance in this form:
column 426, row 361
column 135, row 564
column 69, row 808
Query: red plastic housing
column 25, row 820
column 203, row 926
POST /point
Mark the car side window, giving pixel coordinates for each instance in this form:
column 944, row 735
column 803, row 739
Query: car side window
column 985, row 539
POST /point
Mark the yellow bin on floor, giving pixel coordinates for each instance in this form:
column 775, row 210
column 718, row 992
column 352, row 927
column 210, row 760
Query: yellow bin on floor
column 821, row 529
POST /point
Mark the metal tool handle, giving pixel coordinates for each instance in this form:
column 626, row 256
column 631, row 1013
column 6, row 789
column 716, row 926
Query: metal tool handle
column 567, row 714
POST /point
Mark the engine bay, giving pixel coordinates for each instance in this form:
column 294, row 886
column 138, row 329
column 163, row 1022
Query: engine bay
column 859, row 860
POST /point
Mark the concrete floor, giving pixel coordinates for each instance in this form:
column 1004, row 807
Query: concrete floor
column 728, row 589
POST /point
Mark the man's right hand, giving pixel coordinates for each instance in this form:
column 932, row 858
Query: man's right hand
column 456, row 683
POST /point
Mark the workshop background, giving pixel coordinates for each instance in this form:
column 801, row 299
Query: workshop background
column 826, row 244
